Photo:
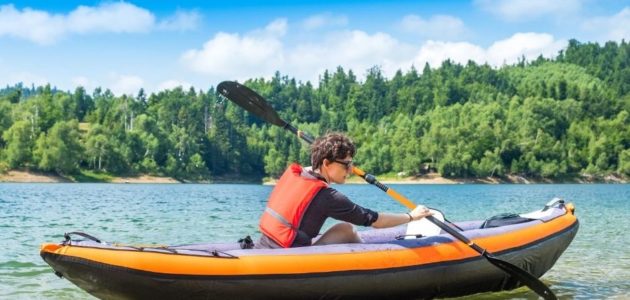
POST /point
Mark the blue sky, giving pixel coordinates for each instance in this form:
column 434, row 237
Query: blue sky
column 125, row 46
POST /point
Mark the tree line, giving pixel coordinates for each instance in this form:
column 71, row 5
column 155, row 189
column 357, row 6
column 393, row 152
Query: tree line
column 547, row 118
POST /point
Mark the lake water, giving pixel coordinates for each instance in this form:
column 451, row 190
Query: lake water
column 595, row 266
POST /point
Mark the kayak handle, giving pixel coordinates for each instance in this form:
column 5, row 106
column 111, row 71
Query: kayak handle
column 68, row 239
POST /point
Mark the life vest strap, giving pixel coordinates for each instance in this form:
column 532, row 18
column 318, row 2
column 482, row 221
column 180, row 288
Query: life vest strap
column 279, row 217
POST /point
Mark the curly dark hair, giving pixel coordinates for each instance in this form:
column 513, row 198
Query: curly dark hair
column 331, row 146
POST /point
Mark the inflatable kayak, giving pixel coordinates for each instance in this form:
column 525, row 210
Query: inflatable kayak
column 389, row 264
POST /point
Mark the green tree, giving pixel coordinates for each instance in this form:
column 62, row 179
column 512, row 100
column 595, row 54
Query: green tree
column 59, row 150
column 20, row 140
column 5, row 118
column 98, row 148
column 624, row 162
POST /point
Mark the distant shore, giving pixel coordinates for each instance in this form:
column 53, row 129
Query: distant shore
column 436, row 178
column 36, row 177
column 432, row 178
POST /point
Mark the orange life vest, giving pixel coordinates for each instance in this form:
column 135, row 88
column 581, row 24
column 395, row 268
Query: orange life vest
column 287, row 204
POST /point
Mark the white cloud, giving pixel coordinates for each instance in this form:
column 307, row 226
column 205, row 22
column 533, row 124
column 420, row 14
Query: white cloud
column 231, row 56
column 125, row 84
column 530, row 45
column 109, row 17
column 28, row 78
column 435, row 52
column 277, row 29
column 172, row 83
column 518, row 10
column 324, row 20
column 33, row 25
column 81, row 81
column 356, row 50
column 616, row 27
column 44, row 28
column 262, row 52
column 507, row 51
column 439, row 26
column 181, row 21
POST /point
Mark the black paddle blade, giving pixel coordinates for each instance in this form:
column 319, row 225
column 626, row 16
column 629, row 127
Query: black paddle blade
column 250, row 101
column 521, row 275
column 524, row 277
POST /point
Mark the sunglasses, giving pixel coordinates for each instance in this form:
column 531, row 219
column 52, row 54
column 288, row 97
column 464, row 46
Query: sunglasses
column 347, row 164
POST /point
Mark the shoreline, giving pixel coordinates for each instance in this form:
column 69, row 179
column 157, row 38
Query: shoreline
column 435, row 178
column 19, row 176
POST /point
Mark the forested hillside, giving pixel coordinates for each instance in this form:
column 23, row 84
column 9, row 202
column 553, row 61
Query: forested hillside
column 558, row 118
